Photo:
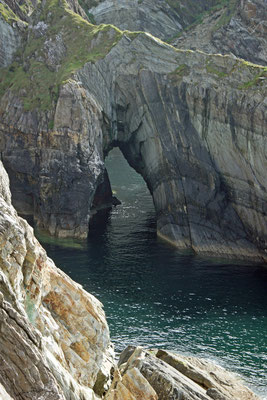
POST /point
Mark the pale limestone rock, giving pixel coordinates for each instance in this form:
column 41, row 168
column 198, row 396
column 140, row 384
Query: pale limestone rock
column 60, row 331
column 131, row 386
column 215, row 379
column 4, row 395
column 174, row 377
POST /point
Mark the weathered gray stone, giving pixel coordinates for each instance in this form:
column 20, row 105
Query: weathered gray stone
column 192, row 124
column 173, row 376
column 54, row 341
column 10, row 40
column 155, row 17
column 243, row 33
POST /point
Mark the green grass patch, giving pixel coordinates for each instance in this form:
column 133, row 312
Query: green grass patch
column 32, row 79
column 257, row 80
column 8, row 15
column 213, row 69
column 182, row 70
column 227, row 15
column 90, row 16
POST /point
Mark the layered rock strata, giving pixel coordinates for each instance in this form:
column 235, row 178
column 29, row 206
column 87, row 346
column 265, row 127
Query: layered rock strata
column 161, row 375
column 242, row 32
column 237, row 27
column 54, row 341
column 10, row 40
column 192, row 124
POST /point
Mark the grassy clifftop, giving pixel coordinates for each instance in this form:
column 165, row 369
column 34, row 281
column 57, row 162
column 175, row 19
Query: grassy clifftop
column 55, row 47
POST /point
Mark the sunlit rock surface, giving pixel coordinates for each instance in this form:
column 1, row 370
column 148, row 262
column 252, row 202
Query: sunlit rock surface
column 54, row 341
column 164, row 375
column 193, row 125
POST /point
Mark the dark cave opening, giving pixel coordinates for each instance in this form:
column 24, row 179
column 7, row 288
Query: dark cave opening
column 130, row 195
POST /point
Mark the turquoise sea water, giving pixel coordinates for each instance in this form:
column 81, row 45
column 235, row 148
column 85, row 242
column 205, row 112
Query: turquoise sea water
column 157, row 297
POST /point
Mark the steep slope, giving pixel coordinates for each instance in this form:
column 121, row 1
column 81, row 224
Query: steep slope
column 54, row 341
column 161, row 18
column 192, row 124
column 241, row 31
column 214, row 26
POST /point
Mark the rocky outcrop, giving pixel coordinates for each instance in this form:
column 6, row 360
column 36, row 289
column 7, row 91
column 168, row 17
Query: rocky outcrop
column 56, row 179
column 161, row 375
column 162, row 18
column 192, row 124
column 201, row 105
column 54, row 341
column 241, row 32
column 10, row 40
column 237, row 27
column 155, row 17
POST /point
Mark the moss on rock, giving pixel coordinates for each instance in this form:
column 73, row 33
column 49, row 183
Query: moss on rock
column 33, row 77
column 7, row 14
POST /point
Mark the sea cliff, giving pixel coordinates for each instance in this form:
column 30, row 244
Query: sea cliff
column 192, row 124
column 54, row 342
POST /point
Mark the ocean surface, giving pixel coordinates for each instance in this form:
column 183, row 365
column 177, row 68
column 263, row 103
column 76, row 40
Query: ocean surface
column 157, row 297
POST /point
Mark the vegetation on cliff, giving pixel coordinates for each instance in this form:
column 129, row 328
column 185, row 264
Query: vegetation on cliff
column 57, row 46
column 7, row 14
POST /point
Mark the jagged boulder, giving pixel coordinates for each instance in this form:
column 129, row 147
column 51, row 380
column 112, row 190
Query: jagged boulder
column 169, row 376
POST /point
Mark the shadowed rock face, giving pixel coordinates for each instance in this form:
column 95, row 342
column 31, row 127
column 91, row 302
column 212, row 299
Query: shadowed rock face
column 192, row 124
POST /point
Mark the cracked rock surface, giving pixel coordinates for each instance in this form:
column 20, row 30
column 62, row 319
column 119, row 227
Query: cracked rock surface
column 192, row 124
column 54, row 341
column 164, row 375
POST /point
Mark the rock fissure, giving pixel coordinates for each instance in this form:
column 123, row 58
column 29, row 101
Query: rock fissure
column 179, row 117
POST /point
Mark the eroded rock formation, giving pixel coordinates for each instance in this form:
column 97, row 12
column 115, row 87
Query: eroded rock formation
column 241, row 31
column 162, row 375
column 192, row 124
column 54, row 341
column 235, row 26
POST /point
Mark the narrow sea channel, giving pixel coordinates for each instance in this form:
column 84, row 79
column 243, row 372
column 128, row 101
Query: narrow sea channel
column 156, row 297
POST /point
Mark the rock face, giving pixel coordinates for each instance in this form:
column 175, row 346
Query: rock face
column 237, row 27
column 185, row 124
column 192, row 124
column 9, row 42
column 54, row 341
column 162, row 18
column 163, row 375
column 241, row 32
column 57, row 176
column 155, row 17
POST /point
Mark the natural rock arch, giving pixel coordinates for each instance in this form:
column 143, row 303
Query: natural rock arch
column 184, row 122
